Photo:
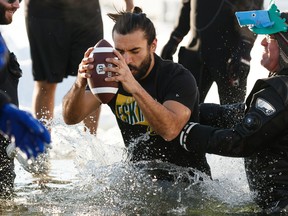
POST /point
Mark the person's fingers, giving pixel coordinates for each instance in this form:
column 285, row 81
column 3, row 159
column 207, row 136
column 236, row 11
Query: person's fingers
column 39, row 145
column 88, row 51
column 26, row 144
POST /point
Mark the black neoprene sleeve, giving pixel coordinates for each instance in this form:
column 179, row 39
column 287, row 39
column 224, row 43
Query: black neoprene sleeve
column 258, row 128
column 4, row 98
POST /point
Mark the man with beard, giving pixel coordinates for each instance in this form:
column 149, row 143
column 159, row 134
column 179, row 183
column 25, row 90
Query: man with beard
column 155, row 99
column 30, row 135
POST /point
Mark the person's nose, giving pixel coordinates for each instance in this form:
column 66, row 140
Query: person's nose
column 264, row 41
column 127, row 58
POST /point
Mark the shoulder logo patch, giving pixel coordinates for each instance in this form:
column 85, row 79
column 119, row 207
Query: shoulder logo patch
column 265, row 107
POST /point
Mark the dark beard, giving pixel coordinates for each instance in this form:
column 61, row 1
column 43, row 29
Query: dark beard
column 141, row 71
column 2, row 16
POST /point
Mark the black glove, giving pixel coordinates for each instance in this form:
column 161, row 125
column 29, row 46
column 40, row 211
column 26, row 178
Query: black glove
column 170, row 47
column 222, row 116
column 238, row 66
column 265, row 120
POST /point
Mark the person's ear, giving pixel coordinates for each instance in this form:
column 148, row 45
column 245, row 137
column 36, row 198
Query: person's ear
column 154, row 45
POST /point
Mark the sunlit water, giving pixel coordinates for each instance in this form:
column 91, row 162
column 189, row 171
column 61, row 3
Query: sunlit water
column 90, row 176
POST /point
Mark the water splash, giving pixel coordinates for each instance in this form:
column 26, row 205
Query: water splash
column 90, row 176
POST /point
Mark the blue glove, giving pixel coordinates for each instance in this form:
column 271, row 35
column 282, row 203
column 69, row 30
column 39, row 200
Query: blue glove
column 29, row 134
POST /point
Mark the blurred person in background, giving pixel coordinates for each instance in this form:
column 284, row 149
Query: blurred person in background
column 15, row 125
column 259, row 134
column 219, row 50
column 59, row 32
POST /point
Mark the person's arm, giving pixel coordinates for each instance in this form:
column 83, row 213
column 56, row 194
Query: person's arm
column 221, row 115
column 238, row 65
column 264, row 122
column 182, row 29
column 79, row 103
column 166, row 119
column 184, row 22
column 129, row 5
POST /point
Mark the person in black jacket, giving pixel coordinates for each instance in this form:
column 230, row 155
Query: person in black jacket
column 29, row 134
column 9, row 83
column 219, row 50
column 261, row 135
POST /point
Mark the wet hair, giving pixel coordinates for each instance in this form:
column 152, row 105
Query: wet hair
column 127, row 22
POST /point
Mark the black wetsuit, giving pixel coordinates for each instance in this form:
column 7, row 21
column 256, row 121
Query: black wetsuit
column 9, row 77
column 261, row 137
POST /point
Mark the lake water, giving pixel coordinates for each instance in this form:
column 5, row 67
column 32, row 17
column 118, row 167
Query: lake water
column 89, row 175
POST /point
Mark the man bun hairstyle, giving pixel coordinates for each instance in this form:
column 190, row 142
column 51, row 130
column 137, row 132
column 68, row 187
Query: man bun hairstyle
column 128, row 22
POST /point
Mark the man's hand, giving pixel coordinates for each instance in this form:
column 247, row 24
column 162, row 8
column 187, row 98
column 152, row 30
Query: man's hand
column 129, row 5
column 238, row 69
column 29, row 134
column 170, row 47
column 123, row 73
column 238, row 66
column 85, row 67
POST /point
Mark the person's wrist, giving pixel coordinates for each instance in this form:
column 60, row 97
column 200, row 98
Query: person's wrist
column 185, row 133
column 129, row 6
column 80, row 83
column 175, row 40
column 9, row 108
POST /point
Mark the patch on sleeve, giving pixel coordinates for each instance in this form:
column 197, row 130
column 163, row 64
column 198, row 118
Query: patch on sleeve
column 265, row 107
